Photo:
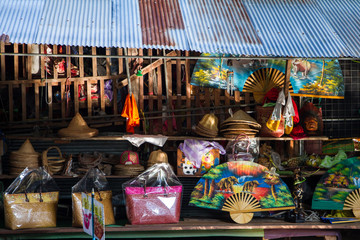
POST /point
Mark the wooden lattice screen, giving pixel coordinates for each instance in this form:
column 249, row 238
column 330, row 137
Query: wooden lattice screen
column 29, row 98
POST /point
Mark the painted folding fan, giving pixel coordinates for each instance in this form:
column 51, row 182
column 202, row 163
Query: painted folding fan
column 339, row 188
column 242, row 188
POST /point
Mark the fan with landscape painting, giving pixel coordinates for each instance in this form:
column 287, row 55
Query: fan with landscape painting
column 339, row 188
column 242, row 188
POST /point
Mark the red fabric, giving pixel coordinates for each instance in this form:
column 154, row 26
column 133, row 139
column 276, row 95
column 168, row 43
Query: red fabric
column 296, row 118
column 271, row 95
column 297, row 132
column 131, row 113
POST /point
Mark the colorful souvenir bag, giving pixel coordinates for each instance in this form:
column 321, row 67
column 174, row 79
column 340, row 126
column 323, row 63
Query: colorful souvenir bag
column 31, row 200
column 94, row 179
column 154, row 197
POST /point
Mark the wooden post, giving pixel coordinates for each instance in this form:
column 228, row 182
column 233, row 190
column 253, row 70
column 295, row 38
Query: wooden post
column 287, row 77
column 151, row 93
column 2, row 50
column 115, row 90
column 188, row 91
column 169, row 90
column 141, row 86
column 178, row 90
column 159, row 93
column 76, row 83
column 94, row 73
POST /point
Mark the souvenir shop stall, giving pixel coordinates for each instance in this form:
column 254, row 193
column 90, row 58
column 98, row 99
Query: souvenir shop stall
column 150, row 142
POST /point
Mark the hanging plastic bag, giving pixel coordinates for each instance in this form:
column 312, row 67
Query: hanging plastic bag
column 242, row 148
column 94, row 179
column 274, row 121
column 31, row 200
column 289, row 114
column 154, row 197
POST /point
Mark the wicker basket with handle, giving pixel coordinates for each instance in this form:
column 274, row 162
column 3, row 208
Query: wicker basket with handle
column 53, row 164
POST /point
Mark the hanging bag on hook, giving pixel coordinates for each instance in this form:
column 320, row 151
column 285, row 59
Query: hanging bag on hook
column 270, row 117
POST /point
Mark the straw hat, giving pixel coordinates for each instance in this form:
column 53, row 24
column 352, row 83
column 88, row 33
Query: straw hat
column 242, row 117
column 78, row 128
column 157, row 157
column 128, row 170
column 26, row 156
column 26, row 149
column 129, row 158
column 210, row 122
column 208, row 126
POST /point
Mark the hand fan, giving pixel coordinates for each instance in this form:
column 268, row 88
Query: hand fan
column 338, row 189
column 262, row 80
column 241, row 188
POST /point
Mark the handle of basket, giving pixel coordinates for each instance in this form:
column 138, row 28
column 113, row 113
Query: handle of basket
column 45, row 161
column 241, row 136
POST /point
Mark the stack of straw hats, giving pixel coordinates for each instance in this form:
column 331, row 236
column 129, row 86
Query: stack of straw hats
column 157, row 156
column 239, row 123
column 129, row 165
column 208, row 126
column 78, row 128
column 24, row 157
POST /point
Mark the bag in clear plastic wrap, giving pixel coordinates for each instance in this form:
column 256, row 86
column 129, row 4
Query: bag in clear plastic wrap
column 242, row 148
column 31, row 200
column 154, row 197
column 93, row 179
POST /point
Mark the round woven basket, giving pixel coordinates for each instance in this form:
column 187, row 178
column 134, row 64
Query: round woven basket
column 53, row 164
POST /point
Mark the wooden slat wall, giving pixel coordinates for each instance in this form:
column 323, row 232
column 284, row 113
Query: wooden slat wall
column 151, row 95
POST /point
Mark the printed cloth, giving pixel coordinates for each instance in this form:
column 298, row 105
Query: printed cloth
column 195, row 149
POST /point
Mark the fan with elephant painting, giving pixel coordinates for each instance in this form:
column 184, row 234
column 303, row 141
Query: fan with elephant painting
column 242, row 188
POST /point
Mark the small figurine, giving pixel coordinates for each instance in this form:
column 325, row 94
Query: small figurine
column 297, row 215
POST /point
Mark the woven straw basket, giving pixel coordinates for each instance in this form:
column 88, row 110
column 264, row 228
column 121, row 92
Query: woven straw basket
column 54, row 164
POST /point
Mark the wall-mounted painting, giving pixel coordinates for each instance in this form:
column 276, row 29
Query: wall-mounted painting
column 310, row 78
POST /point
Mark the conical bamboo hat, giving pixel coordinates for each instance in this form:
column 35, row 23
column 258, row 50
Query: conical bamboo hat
column 26, row 149
column 241, row 116
column 78, row 128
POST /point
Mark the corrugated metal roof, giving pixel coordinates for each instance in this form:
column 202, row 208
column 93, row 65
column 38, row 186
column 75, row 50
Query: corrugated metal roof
column 278, row 28
column 344, row 18
column 75, row 22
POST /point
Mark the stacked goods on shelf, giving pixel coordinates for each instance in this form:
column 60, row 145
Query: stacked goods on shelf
column 208, row 126
column 129, row 165
column 24, row 157
column 239, row 123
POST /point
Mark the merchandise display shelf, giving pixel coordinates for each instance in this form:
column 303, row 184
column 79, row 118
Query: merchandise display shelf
column 192, row 228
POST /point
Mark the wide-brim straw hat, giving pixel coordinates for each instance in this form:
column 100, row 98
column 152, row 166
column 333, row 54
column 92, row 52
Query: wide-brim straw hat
column 209, row 122
column 241, row 117
column 78, row 128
